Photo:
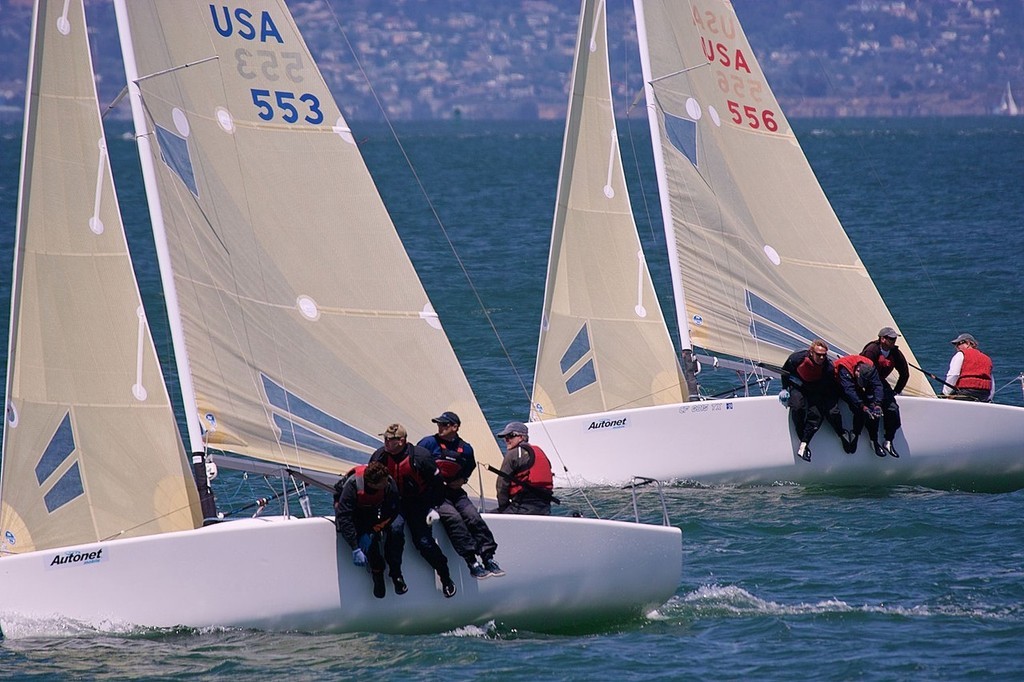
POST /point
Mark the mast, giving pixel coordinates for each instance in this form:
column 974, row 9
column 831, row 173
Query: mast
column 663, row 195
column 195, row 432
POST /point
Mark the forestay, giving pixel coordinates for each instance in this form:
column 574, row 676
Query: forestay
column 761, row 256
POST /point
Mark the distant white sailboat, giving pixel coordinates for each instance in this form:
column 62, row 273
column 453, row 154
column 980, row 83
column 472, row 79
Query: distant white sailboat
column 760, row 266
column 1008, row 105
column 299, row 327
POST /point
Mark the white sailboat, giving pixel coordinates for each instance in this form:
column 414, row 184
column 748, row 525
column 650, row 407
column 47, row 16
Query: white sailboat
column 1008, row 105
column 760, row 266
column 300, row 330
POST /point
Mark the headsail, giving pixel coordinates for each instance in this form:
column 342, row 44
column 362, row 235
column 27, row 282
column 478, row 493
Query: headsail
column 91, row 449
column 761, row 256
column 307, row 329
column 603, row 341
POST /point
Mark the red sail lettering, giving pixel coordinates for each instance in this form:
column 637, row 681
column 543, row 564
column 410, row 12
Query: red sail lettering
column 741, row 61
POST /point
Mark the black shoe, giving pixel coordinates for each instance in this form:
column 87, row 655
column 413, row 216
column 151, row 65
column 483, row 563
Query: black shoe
column 891, row 450
column 400, row 586
column 849, row 442
column 493, row 568
column 804, row 451
column 879, row 450
column 447, row 588
column 378, row 586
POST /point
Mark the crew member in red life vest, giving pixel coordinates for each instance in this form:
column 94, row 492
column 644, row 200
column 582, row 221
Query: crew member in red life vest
column 888, row 357
column 420, row 489
column 365, row 510
column 467, row 531
column 810, row 392
column 970, row 371
column 526, row 487
column 861, row 388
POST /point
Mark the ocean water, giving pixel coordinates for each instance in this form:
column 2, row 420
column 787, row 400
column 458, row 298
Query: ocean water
column 781, row 582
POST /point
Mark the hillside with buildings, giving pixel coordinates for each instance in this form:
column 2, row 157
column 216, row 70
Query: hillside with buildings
column 509, row 59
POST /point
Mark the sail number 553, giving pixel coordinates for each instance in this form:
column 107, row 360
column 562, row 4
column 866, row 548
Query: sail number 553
column 753, row 117
column 282, row 103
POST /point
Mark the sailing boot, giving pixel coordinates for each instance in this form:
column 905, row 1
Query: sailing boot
column 891, row 450
column 447, row 586
column 804, row 452
column 493, row 568
column 879, row 450
column 399, row 582
column 849, row 442
column 379, row 590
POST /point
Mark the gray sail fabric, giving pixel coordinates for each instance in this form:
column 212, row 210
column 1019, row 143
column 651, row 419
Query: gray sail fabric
column 603, row 342
column 764, row 262
column 307, row 329
column 91, row 449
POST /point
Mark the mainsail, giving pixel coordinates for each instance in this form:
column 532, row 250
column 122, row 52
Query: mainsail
column 306, row 329
column 603, row 342
column 760, row 255
column 91, row 450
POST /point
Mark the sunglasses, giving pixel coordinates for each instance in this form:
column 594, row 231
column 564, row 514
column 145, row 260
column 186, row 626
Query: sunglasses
column 820, row 355
column 511, row 436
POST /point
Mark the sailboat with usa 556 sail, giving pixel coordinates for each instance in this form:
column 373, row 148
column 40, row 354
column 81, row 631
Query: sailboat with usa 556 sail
column 293, row 348
column 760, row 266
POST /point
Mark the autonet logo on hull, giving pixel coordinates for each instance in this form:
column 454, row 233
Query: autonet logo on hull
column 78, row 558
column 609, row 424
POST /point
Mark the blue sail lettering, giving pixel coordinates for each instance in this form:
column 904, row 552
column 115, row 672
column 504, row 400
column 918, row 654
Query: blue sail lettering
column 243, row 24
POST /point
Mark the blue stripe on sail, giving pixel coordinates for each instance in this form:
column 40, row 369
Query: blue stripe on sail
column 579, row 347
column 682, row 134
column 295, row 406
column 174, row 152
column 762, row 308
column 584, row 377
column 60, row 447
column 301, row 437
column 766, row 333
column 66, row 489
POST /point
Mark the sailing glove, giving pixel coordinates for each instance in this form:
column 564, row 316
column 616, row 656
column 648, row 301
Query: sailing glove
column 358, row 557
column 432, row 516
column 784, row 397
column 875, row 411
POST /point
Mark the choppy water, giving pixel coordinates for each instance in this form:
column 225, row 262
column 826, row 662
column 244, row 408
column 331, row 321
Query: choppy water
column 778, row 582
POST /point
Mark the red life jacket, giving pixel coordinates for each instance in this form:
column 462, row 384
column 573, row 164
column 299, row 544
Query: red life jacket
column 448, row 461
column 884, row 362
column 850, row 362
column 539, row 475
column 403, row 471
column 976, row 372
column 364, row 499
column 808, row 371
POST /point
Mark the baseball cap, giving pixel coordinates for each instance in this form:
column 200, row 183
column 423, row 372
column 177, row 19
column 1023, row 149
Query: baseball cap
column 447, row 418
column 514, row 428
column 395, row 431
column 887, row 332
column 964, row 337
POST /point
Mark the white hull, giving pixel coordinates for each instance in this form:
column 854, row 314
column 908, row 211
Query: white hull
column 297, row 574
column 945, row 444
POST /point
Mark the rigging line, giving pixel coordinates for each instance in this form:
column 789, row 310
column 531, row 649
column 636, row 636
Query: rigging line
column 430, row 204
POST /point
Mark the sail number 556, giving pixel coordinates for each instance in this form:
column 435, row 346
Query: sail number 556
column 753, row 117
column 284, row 104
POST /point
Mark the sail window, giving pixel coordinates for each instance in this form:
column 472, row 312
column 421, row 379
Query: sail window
column 67, row 488
column 584, row 377
column 579, row 347
column 682, row 134
column 292, row 405
column 305, row 439
column 783, row 331
column 174, row 152
column 60, row 447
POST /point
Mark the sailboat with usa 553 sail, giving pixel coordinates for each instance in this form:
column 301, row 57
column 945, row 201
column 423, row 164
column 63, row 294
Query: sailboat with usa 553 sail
column 293, row 347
